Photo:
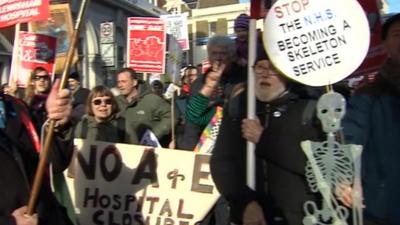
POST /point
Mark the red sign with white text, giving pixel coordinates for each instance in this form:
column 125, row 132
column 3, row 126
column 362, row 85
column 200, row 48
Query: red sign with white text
column 146, row 44
column 22, row 11
column 36, row 50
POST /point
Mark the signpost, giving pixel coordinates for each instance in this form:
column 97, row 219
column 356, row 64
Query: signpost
column 107, row 43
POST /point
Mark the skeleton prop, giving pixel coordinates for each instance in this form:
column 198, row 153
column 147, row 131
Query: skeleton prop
column 332, row 168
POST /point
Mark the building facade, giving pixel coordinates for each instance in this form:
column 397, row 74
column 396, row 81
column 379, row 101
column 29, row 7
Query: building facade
column 90, row 65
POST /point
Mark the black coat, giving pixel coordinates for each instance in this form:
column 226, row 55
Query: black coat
column 281, row 183
column 17, row 169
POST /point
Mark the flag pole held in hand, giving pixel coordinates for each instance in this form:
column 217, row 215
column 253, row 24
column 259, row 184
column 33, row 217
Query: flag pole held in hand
column 50, row 132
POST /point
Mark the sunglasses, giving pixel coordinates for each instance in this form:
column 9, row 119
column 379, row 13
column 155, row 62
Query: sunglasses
column 99, row 101
column 41, row 77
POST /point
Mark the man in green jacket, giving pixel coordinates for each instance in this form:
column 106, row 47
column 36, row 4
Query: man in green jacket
column 140, row 107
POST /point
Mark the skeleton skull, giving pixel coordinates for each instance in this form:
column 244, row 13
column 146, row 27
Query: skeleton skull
column 331, row 108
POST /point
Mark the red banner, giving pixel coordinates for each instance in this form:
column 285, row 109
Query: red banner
column 35, row 50
column 22, row 11
column 146, row 44
column 376, row 55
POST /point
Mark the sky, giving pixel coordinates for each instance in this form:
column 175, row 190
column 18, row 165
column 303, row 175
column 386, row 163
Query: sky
column 394, row 5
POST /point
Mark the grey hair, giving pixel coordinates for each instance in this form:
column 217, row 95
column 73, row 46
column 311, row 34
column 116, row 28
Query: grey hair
column 224, row 42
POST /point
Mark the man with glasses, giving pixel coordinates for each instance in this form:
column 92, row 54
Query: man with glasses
column 284, row 118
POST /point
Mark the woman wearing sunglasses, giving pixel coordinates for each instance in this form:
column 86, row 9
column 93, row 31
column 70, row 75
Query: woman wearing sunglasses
column 101, row 122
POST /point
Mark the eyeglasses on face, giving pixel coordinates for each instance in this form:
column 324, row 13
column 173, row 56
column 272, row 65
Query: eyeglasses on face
column 99, row 101
column 45, row 77
column 262, row 69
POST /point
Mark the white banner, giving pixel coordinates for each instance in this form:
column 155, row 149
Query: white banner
column 176, row 25
column 316, row 42
column 133, row 184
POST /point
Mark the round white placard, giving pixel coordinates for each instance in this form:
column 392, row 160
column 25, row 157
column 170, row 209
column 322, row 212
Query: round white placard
column 316, row 42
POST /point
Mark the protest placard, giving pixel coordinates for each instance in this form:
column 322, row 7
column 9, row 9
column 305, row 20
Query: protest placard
column 133, row 184
column 316, row 44
column 146, row 44
column 22, row 11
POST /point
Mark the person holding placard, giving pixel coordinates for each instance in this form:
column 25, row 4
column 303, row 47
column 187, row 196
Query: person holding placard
column 285, row 117
column 19, row 157
column 372, row 120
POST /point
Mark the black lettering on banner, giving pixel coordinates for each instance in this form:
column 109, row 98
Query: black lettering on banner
column 181, row 214
column 346, row 25
column 126, row 219
column 129, row 199
column 96, row 218
column 148, row 160
column 152, row 201
column 168, row 221
column 111, row 220
column 90, row 197
column 198, row 174
column 89, row 168
column 317, row 64
column 147, row 221
column 166, row 208
column 104, row 201
column 110, row 151
column 139, row 218
column 117, row 200
column 139, row 204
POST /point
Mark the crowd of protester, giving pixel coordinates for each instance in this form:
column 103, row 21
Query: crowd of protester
column 280, row 125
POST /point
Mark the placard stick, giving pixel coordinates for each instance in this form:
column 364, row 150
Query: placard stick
column 37, row 182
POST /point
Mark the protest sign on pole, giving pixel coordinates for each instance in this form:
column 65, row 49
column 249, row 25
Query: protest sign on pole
column 131, row 184
column 23, row 11
column 59, row 25
column 34, row 50
column 316, row 44
column 176, row 25
column 174, row 60
column 146, row 44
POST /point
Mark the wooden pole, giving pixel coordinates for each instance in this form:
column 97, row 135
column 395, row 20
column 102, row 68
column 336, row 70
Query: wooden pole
column 16, row 57
column 50, row 133
column 173, row 118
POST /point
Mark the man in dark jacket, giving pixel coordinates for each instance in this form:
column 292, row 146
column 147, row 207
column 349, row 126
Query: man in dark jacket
column 281, row 186
column 372, row 120
column 19, row 158
column 79, row 96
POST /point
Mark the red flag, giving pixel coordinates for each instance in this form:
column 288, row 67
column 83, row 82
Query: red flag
column 257, row 9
